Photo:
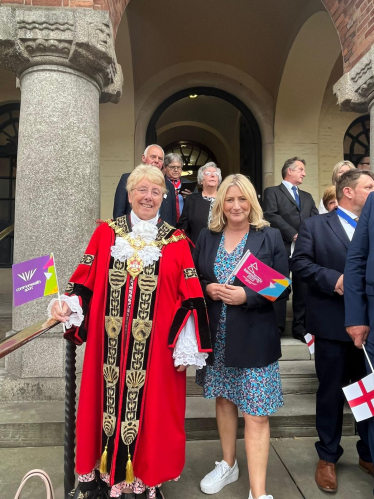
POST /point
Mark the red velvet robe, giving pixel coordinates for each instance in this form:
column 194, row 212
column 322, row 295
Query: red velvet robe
column 158, row 453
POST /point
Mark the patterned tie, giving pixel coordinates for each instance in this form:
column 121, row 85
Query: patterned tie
column 296, row 194
column 177, row 185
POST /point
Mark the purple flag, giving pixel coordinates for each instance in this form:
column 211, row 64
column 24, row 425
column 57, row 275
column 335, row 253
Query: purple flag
column 33, row 279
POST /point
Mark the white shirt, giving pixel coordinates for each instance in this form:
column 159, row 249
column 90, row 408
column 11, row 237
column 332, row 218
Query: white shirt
column 321, row 208
column 347, row 226
column 289, row 186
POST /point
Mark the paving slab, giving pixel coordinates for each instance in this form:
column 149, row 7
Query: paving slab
column 200, row 460
column 201, row 456
column 300, row 458
column 15, row 463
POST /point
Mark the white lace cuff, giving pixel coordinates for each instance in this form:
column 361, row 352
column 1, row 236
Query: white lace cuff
column 76, row 317
column 186, row 352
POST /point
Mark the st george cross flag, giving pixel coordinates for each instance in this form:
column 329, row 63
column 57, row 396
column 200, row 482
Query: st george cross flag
column 260, row 277
column 33, row 279
column 309, row 338
column 360, row 397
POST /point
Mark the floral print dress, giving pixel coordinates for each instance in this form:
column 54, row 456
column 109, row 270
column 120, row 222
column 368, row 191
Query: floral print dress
column 256, row 391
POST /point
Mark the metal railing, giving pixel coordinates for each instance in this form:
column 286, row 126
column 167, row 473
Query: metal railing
column 6, row 232
column 17, row 340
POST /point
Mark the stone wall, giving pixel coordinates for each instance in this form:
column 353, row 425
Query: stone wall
column 115, row 7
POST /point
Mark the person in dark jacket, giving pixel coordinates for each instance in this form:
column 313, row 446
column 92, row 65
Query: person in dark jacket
column 153, row 155
column 245, row 372
column 198, row 206
column 285, row 207
column 319, row 259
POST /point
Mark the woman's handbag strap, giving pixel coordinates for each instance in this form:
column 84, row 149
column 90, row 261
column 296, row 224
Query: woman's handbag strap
column 41, row 474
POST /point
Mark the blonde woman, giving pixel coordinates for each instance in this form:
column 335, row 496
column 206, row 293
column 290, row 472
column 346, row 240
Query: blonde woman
column 338, row 170
column 245, row 372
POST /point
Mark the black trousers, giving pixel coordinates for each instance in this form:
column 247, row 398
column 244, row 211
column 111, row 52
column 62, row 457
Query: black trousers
column 299, row 293
column 338, row 363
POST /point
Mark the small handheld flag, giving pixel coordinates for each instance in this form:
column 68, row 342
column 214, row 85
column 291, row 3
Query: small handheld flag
column 34, row 279
column 360, row 395
column 309, row 338
column 260, row 277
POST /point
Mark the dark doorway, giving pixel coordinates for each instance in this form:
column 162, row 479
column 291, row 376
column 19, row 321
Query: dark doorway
column 250, row 135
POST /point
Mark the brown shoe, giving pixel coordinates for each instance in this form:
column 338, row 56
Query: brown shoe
column 366, row 467
column 326, row 476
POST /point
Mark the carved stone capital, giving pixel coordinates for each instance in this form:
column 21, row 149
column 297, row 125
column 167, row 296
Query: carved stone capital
column 81, row 39
column 355, row 90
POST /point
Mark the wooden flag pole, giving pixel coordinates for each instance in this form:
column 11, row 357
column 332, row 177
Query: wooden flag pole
column 237, row 267
column 367, row 358
column 58, row 290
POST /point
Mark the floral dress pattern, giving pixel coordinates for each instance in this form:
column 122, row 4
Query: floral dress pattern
column 256, row 391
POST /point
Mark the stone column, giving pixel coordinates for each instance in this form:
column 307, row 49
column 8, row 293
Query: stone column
column 66, row 64
column 355, row 92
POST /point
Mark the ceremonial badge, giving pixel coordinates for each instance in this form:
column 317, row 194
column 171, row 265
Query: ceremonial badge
column 134, row 266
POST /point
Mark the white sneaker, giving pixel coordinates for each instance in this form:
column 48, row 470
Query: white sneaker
column 222, row 475
column 261, row 497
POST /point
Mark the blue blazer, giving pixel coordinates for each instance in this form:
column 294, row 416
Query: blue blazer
column 252, row 337
column 122, row 206
column 319, row 258
column 359, row 272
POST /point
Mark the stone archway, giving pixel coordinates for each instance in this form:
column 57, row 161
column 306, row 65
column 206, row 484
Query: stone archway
column 219, row 76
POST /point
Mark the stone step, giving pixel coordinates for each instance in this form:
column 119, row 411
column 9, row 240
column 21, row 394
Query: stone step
column 295, row 419
column 41, row 424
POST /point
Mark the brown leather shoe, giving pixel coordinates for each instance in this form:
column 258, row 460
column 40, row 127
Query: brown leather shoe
column 326, row 476
column 366, row 467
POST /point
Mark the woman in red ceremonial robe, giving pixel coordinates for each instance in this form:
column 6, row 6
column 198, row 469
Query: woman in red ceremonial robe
column 137, row 302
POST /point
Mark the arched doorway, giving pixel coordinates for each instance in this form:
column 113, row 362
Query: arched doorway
column 250, row 135
column 9, row 118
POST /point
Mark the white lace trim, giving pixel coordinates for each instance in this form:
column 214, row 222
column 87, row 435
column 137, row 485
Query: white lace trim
column 135, row 219
column 76, row 317
column 186, row 352
column 122, row 251
column 145, row 230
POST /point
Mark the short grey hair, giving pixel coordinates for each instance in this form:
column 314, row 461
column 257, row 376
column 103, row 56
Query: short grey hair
column 201, row 170
column 153, row 145
column 290, row 163
column 171, row 158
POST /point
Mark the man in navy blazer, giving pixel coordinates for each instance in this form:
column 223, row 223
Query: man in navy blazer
column 319, row 259
column 153, row 155
column 359, row 290
column 285, row 207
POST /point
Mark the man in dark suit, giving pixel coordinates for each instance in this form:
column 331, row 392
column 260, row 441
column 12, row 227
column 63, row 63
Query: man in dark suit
column 359, row 290
column 153, row 155
column 319, row 259
column 285, row 207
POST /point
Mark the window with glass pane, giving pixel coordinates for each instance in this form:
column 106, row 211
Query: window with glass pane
column 9, row 119
column 357, row 139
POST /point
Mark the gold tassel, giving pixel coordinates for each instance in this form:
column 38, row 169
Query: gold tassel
column 129, row 469
column 104, row 460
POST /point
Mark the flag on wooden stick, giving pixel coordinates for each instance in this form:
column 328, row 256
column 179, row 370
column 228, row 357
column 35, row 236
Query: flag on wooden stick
column 260, row 277
column 309, row 338
column 33, row 279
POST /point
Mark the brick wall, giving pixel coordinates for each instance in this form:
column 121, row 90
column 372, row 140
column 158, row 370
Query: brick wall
column 354, row 21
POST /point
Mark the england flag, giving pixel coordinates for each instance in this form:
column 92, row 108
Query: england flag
column 360, row 397
column 309, row 338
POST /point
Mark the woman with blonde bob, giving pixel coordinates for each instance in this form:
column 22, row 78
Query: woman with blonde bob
column 338, row 170
column 244, row 373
